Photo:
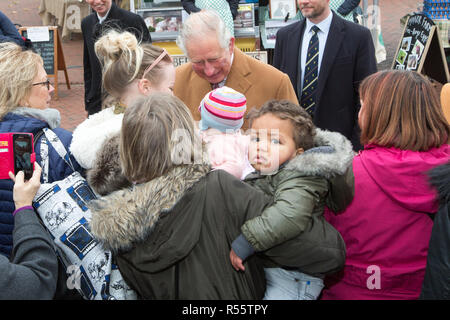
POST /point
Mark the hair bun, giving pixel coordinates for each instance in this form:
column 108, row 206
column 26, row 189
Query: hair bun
column 114, row 45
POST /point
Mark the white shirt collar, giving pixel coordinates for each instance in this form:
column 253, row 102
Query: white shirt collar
column 101, row 19
column 323, row 25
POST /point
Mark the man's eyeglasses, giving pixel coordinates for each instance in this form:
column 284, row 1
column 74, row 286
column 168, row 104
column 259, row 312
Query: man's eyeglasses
column 46, row 82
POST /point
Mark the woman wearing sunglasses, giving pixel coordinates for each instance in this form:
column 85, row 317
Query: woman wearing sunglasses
column 25, row 95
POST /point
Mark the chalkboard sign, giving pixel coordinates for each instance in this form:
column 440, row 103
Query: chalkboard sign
column 51, row 52
column 420, row 49
column 46, row 49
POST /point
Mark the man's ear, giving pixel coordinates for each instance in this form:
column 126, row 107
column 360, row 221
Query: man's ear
column 144, row 86
column 299, row 151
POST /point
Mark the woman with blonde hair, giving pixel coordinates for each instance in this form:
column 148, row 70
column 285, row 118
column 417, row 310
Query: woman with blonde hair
column 387, row 227
column 25, row 94
column 130, row 70
column 171, row 232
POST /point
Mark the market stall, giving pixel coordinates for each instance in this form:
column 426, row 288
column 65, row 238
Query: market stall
column 164, row 19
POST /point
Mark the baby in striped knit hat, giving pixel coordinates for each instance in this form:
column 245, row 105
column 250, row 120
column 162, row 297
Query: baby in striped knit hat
column 222, row 115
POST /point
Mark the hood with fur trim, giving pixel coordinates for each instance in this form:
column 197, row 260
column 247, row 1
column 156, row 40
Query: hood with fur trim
column 331, row 158
column 332, row 155
column 127, row 216
column 106, row 175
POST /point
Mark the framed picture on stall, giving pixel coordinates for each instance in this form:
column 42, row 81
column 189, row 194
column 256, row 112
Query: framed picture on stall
column 280, row 8
column 162, row 20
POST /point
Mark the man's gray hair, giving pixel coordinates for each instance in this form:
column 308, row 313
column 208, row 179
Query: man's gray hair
column 203, row 23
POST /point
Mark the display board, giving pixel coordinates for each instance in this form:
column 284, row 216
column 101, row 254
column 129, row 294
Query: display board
column 47, row 43
column 45, row 48
column 420, row 49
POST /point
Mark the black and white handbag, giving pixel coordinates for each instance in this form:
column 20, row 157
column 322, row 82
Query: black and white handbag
column 62, row 207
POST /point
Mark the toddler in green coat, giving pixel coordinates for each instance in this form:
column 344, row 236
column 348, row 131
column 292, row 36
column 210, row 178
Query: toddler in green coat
column 303, row 169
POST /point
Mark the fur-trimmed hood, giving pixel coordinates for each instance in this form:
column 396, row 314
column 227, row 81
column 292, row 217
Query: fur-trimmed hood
column 128, row 215
column 106, row 175
column 332, row 155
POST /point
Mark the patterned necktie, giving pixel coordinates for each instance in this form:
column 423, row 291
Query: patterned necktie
column 308, row 98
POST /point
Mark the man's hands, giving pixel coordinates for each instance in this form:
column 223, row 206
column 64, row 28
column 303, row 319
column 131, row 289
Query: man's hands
column 236, row 261
column 24, row 191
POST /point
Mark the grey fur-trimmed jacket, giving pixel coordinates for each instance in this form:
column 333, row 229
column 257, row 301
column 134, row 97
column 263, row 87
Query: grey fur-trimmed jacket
column 300, row 190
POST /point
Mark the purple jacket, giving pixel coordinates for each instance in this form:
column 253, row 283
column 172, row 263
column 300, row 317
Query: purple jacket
column 387, row 226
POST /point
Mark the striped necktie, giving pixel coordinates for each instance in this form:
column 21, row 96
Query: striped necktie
column 310, row 80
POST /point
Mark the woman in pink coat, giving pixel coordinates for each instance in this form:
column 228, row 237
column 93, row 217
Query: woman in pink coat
column 387, row 226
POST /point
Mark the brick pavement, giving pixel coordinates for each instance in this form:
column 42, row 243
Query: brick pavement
column 71, row 103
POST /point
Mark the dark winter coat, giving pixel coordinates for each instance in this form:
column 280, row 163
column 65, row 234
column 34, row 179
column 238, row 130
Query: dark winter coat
column 436, row 284
column 33, row 269
column 172, row 236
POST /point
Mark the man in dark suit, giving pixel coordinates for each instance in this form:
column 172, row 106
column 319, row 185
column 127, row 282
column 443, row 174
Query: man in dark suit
column 106, row 15
column 326, row 83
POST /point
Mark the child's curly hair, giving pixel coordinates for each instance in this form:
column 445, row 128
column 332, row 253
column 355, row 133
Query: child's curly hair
column 304, row 129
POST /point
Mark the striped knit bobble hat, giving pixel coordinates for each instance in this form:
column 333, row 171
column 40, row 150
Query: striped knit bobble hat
column 222, row 109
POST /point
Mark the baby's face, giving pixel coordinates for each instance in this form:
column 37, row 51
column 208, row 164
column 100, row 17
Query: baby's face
column 271, row 143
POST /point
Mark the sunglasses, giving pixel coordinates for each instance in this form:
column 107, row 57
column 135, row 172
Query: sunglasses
column 46, row 82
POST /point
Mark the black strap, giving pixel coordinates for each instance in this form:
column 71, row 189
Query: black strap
column 36, row 137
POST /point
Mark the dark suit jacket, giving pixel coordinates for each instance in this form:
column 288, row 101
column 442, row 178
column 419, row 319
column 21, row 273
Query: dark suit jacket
column 348, row 58
column 119, row 19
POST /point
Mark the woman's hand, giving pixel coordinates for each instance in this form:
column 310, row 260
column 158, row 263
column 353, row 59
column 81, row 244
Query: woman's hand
column 236, row 261
column 24, row 191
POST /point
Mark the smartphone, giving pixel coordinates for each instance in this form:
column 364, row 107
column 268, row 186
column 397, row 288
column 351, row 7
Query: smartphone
column 22, row 150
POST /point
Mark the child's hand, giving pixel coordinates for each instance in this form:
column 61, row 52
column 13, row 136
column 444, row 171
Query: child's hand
column 236, row 261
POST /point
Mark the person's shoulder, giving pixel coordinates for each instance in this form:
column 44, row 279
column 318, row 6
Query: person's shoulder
column 259, row 66
column 222, row 179
column 64, row 135
column 184, row 70
column 21, row 123
column 290, row 28
column 130, row 16
column 88, row 20
column 352, row 27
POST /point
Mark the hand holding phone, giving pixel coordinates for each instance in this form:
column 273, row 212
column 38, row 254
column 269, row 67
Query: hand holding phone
column 24, row 191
